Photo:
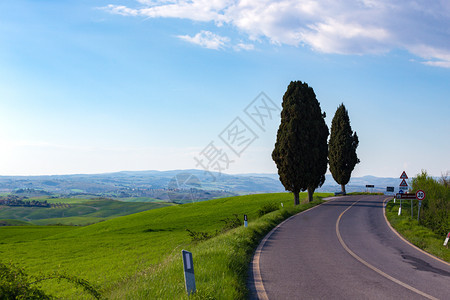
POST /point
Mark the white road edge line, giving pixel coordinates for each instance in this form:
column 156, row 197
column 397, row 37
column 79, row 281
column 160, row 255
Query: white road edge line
column 405, row 240
column 372, row 267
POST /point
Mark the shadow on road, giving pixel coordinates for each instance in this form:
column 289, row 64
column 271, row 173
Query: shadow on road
column 375, row 204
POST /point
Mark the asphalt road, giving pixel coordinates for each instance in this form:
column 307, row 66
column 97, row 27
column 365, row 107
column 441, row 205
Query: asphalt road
column 344, row 249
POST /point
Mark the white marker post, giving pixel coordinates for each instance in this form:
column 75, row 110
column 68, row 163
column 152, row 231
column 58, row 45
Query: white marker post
column 400, row 208
column 446, row 239
column 403, row 186
column 189, row 278
column 245, row 221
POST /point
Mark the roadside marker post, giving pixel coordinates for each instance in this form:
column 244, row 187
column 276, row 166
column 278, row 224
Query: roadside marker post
column 245, row 221
column 400, row 209
column 446, row 239
column 189, row 277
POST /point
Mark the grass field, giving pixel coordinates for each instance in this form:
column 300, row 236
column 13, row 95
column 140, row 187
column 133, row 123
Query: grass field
column 418, row 235
column 128, row 256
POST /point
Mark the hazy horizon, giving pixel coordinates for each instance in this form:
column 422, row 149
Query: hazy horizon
column 200, row 170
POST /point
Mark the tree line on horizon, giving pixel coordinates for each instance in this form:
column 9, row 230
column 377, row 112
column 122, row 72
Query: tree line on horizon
column 302, row 151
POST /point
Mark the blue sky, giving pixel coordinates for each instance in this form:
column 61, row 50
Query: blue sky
column 101, row 86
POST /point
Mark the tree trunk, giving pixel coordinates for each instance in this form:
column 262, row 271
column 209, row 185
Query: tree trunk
column 343, row 188
column 296, row 198
column 310, row 194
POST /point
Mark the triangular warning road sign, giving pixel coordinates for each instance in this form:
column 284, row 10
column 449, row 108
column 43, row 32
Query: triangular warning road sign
column 404, row 176
column 403, row 183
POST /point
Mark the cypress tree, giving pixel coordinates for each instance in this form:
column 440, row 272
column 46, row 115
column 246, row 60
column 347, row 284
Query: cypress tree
column 301, row 148
column 342, row 147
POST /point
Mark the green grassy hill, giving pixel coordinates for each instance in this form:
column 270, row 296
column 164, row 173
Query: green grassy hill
column 121, row 252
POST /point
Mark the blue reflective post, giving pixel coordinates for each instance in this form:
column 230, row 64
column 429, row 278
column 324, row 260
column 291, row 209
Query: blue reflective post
column 189, row 278
column 245, row 221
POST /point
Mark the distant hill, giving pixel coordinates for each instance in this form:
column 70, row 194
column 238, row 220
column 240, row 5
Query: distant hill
column 12, row 222
column 72, row 212
column 166, row 185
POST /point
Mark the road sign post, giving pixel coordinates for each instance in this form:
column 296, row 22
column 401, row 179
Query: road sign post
column 404, row 186
column 418, row 210
column 410, row 197
column 369, row 186
column 420, row 195
column 390, row 189
column 189, row 278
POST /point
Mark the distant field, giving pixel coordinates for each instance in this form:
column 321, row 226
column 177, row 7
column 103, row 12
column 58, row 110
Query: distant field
column 109, row 252
column 142, row 199
column 75, row 211
column 65, row 200
column 12, row 222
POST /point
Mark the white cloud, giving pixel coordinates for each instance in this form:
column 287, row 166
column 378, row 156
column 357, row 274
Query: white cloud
column 346, row 38
column 207, row 39
column 343, row 27
column 121, row 10
column 433, row 56
column 244, row 46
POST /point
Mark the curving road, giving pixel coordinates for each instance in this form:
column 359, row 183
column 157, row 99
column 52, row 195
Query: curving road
column 344, row 249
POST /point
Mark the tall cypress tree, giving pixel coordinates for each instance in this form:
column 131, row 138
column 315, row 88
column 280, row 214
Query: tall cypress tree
column 301, row 148
column 342, row 147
